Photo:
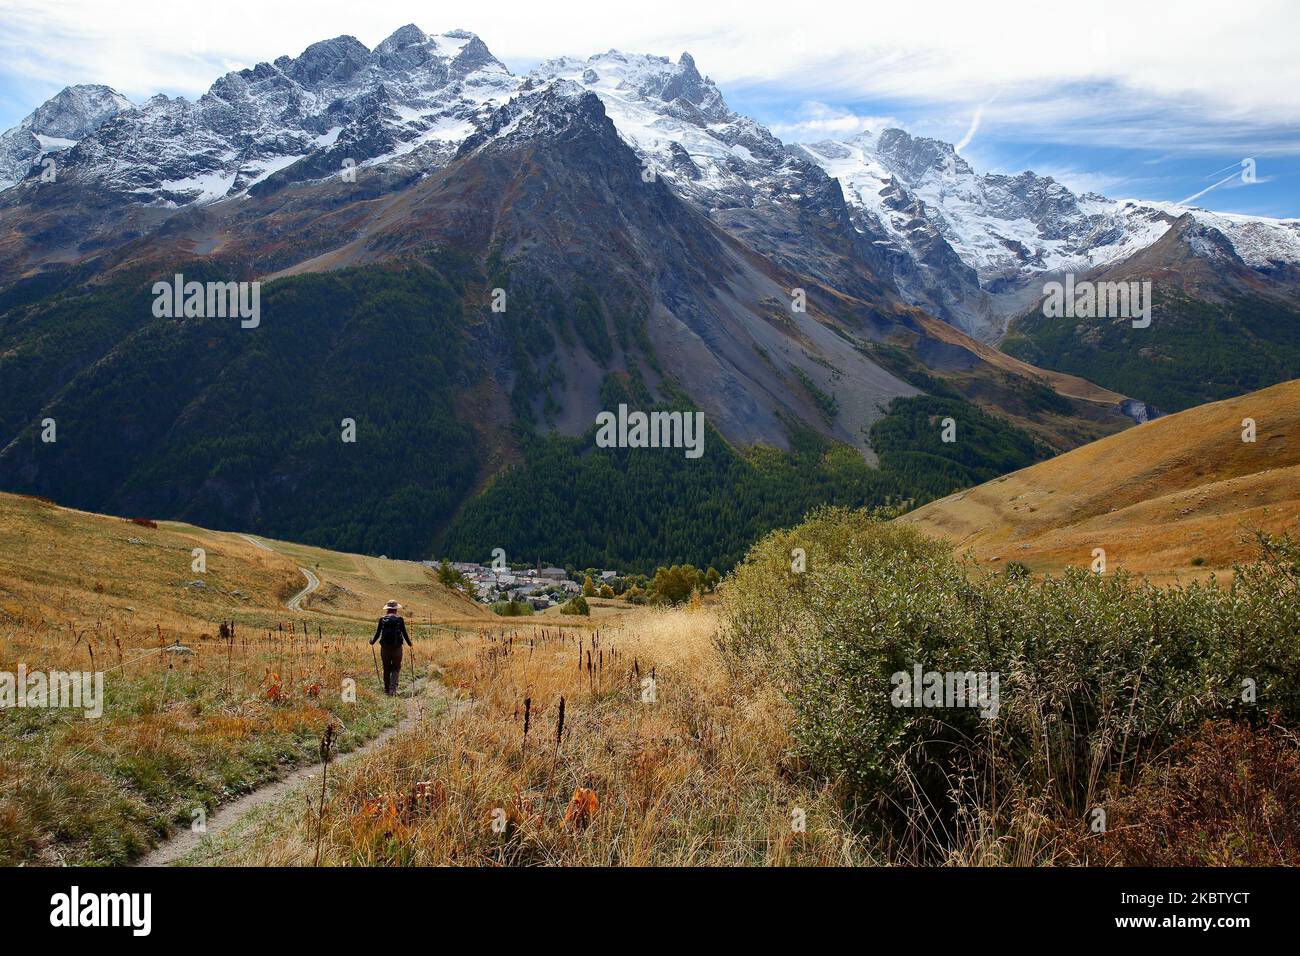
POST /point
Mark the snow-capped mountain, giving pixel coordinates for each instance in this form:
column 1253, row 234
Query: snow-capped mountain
column 1000, row 226
column 57, row 124
column 413, row 92
column 1011, row 230
column 730, row 167
column 881, row 213
column 973, row 248
column 649, row 239
column 678, row 122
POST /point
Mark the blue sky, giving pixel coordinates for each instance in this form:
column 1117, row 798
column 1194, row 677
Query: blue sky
column 1130, row 99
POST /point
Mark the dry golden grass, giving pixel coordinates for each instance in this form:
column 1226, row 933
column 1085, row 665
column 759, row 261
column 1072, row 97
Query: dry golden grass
column 1178, row 497
column 357, row 585
column 83, row 568
column 181, row 729
column 604, row 612
column 698, row 776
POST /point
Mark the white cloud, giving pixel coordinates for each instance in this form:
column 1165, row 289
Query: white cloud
column 954, row 51
column 1058, row 68
column 817, row 121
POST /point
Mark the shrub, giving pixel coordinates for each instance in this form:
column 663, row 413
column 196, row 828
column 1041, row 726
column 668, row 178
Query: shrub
column 674, row 585
column 512, row 608
column 449, row 576
column 577, row 605
column 1095, row 673
column 1016, row 569
column 1226, row 796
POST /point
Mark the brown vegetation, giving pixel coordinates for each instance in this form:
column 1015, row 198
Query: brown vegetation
column 1177, row 497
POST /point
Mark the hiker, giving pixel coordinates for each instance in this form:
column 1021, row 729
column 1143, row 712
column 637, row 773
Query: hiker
column 390, row 633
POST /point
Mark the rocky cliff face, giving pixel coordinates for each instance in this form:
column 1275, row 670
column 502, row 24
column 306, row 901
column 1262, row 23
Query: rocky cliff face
column 56, row 125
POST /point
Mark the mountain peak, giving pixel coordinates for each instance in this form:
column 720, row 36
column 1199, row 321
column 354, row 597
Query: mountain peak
column 914, row 157
column 336, row 60
column 404, row 36
column 75, row 110
column 410, row 48
column 469, row 53
column 55, row 125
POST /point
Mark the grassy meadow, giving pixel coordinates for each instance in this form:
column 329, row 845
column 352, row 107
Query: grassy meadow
column 1137, row 723
column 1123, row 738
column 211, row 686
column 693, row 776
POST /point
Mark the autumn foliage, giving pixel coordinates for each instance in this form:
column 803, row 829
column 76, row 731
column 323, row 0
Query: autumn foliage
column 1226, row 797
column 582, row 808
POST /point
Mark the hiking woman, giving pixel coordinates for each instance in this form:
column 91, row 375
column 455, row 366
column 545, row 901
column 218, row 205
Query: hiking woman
column 390, row 633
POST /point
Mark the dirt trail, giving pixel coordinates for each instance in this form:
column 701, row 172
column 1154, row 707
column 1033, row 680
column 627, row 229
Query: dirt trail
column 294, row 603
column 182, row 842
column 253, row 541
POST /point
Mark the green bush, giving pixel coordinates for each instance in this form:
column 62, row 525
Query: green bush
column 675, row 585
column 512, row 608
column 577, row 605
column 1095, row 673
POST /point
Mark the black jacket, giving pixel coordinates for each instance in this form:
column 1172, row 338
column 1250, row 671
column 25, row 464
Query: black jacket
column 391, row 630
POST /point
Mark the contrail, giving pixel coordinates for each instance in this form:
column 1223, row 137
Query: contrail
column 1217, row 171
column 974, row 128
column 1196, row 196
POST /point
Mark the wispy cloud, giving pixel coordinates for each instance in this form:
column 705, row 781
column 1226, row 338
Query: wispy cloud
column 815, row 121
column 953, row 52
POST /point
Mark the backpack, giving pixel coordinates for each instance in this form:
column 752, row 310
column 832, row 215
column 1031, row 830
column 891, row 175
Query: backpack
column 390, row 630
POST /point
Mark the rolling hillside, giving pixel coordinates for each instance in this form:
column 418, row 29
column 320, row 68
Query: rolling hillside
column 84, row 567
column 1180, row 496
column 193, row 714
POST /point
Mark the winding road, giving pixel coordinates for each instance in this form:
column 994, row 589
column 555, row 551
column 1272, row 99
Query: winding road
column 294, row 603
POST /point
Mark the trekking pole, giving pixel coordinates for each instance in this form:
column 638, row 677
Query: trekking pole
column 412, row 668
column 375, row 658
